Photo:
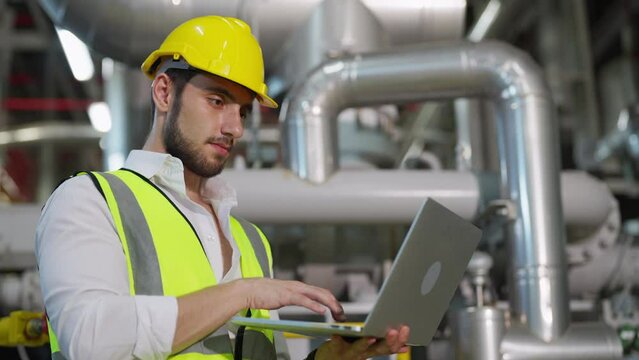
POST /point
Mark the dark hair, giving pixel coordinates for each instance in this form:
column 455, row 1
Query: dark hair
column 180, row 78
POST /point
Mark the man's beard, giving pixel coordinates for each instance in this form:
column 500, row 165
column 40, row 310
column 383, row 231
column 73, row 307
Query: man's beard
column 182, row 148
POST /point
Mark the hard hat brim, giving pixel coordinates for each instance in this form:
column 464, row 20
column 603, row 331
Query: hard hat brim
column 151, row 67
column 265, row 100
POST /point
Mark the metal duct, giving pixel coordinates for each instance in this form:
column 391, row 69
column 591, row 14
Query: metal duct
column 527, row 137
column 477, row 333
column 49, row 132
column 349, row 197
column 583, row 341
column 414, row 21
column 334, row 28
column 587, row 213
column 129, row 30
column 363, row 196
column 126, row 91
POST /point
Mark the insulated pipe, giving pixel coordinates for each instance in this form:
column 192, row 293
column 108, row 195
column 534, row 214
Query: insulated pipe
column 527, row 138
column 392, row 196
column 351, row 196
column 129, row 30
column 586, row 212
column 334, row 27
column 582, row 341
column 49, row 132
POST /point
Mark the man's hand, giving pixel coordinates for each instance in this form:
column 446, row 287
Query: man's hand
column 263, row 293
column 338, row 348
column 196, row 319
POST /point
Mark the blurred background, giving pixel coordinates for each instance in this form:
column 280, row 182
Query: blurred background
column 521, row 116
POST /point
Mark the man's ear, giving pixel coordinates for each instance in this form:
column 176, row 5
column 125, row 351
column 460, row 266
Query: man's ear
column 161, row 92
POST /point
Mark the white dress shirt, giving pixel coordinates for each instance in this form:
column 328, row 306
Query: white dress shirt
column 83, row 268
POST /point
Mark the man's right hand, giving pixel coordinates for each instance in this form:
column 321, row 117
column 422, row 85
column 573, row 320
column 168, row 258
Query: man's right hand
column 263, row 293
column 203, row 311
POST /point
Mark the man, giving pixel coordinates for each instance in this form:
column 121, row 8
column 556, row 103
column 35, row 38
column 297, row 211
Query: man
column 147, row 262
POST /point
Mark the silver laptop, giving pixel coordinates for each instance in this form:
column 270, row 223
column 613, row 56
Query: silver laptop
column 417, row 292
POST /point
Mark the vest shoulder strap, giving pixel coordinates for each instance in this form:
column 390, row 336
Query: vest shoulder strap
column 259, row 244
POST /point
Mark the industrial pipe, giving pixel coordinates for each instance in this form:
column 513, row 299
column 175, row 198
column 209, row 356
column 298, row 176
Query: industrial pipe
column 128, row 31
column 586, row 212
column 363, row 196
column 527, row 137
column 48, row 132
column 349, row 197
column 394, row 196
column 582, row 341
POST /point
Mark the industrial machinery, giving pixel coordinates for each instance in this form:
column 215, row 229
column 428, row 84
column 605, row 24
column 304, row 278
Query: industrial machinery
column 520, row 116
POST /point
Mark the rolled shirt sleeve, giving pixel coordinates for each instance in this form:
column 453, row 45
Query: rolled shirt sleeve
column 85, row 283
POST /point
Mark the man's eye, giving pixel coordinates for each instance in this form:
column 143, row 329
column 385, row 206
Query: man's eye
column 216, row 101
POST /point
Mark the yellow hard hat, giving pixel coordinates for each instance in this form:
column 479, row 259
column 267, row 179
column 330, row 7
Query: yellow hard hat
column 222, row 46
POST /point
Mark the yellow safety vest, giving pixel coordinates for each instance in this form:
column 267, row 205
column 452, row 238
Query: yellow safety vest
column 165, row 257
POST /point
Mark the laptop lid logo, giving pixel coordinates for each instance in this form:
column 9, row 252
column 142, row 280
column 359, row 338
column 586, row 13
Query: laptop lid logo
column 430, row 279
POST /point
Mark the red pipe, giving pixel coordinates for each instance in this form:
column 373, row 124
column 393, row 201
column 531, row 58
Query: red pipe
column 44, row 104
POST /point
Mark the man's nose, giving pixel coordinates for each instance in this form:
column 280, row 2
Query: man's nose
column 233, row 124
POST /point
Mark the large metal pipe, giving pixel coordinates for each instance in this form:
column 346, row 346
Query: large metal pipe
column 129, row 30
column 49, row 132
column 394, row 196
column 368, row 196
column 350, row 197
column 582, row 341
column 334, row 28
column 586, row 212
column 126, row 91
column 477, row 333
column 528, row 145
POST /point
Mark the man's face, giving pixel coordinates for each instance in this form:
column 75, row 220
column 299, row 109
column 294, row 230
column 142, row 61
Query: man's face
column 204, row 123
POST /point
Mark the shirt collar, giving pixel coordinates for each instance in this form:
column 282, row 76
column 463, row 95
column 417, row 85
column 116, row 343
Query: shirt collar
column 168, row 171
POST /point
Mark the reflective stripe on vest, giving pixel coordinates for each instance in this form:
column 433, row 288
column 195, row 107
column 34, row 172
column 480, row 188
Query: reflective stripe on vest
column 148, row 224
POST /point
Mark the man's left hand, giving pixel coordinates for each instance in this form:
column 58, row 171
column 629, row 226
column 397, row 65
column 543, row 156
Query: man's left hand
column 364, row 348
